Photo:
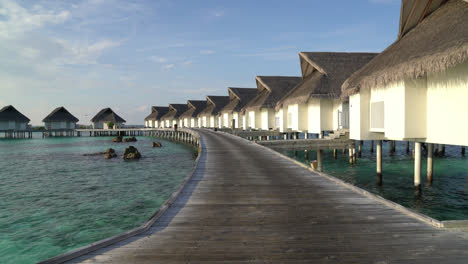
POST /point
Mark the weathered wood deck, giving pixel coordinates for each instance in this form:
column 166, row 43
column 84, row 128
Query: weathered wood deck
column 245, row 204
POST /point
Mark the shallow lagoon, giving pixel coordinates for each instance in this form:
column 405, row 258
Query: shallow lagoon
column 445, row 199
column 54, row 199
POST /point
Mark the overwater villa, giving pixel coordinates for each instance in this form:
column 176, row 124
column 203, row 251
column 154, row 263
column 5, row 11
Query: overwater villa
column 12, row 119
column 171, row 118
column 214, row 104
column 190, row 117
column 238, row 98
column 153, row 119
column 259, row 113
column 61, row 119
column 416, row 89
column 314, row 105
column 107, row 117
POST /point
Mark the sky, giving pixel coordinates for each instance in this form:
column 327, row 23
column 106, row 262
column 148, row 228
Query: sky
column 129, row 55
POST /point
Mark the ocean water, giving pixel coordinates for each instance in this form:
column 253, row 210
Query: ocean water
column 53, row 199
column 445, row 199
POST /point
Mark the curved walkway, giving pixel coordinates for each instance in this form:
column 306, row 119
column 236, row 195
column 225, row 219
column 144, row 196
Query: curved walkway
column 245, row 204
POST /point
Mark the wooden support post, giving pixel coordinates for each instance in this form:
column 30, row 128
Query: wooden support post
column 306, row 155
column 372, row 146
column 430, row 164
column 407, row 147
column 350, row 152
column 320, row 160
column 359, row 148
column 463, row 151
column 417, row 164
column 354, row 154
column 335, row 154
column 379, row 162
column 413, row 148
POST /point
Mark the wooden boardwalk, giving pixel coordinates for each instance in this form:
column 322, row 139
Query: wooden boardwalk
column 245, row 204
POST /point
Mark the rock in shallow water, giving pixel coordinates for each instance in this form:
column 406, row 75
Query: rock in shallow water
column 131, row 153
column 110, row 153
column 157, row 144
column 117, row 139
column 130, row 139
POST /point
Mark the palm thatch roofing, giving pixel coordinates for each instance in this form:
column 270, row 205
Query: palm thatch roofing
column 238, row 98
column 157, row 112
column 107, row 115
column 437, row 43
column 323, row 74
column 214, row 104
column 9, row 113
column 175, row 110
column 270, row 89
column 194, row 108
column 60, row 114
column 414, row 11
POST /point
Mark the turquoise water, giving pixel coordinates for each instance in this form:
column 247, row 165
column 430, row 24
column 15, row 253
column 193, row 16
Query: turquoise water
column 445, row 199
column 54, row 199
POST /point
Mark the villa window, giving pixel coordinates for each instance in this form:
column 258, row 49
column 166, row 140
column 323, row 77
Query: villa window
column 377, row 115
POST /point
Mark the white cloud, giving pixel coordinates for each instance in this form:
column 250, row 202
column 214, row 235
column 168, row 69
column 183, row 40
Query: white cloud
column 187, row 63
column 207, row 52
column 157, row 59
column 19, row 20
column 75, row 53
column 168, row 67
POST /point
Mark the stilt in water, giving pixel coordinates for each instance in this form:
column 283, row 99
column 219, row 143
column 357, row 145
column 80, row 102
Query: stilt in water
column 335, row 154
column 417, row 164
column 372, row 146
column 430, row 164
column 463, row 151
column 350, row 152
column 320, row 160
column 407, row 146
column 306, row 155
column 379, row 162
column 359, row 148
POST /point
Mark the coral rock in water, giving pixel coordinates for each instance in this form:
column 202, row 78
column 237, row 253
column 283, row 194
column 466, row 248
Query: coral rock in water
column 131, row 153
column 157, row 144
column 117, row 139
column 130, row 139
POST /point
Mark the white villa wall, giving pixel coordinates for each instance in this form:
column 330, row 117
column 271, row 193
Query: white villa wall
column 298, row 114
column 267, row 118
column 219, row 122
column 204, row 122
column 254, row 120
column 282, row 116
column 245, row 121
column 235, row 116
column 313, row 116
column 156, row 123
column 193, row 122
column 226, row 120
column 212, row 122
column 446, row 106
column 13, row 125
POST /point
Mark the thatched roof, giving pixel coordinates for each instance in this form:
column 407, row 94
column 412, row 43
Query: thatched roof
column 175, row 110
column 414, row 11
column 214, row 104
column 194, row 108
column 238, row 98
column 437, row 43
column 9, row 113
column 60, row 114
column 323, row 75
column 270, row 90
column 107, row 115
column 157, row 112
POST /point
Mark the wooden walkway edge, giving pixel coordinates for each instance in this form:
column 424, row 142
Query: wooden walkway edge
column 248, row 204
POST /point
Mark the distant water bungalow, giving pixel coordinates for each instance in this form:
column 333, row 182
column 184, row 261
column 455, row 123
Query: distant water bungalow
column 259, row 113
column 153, row 119
column 171, row 118
column 416, row 89
column 12, row 119
column 209, row 115
column 314, row 105
column 106, row 116
column 238, row 98
column 190, row 117
column 60, row 119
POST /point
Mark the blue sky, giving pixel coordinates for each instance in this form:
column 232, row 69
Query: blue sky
column 129, row 55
